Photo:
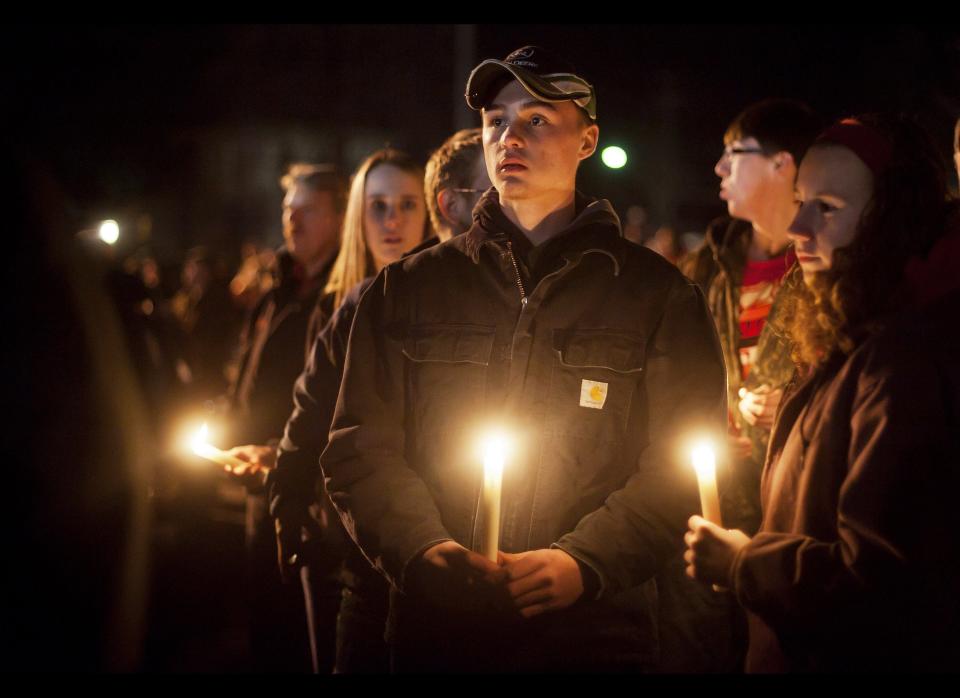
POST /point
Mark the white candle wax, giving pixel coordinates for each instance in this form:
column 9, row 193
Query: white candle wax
column 705, row 465
column 216, row 455
column 201, row 448
column 494, row 456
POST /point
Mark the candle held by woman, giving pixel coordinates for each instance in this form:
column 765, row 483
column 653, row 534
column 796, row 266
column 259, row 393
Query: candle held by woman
column 704, row 463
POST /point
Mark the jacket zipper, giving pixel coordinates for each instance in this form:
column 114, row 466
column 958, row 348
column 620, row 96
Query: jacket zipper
column 536, row 486
column 516, row 270
column 523, row 303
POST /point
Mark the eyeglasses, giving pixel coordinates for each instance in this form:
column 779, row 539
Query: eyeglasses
column 468, row 191
column 729, row 152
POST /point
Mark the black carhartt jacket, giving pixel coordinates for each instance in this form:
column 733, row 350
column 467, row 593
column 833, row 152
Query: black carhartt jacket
column 599, row 376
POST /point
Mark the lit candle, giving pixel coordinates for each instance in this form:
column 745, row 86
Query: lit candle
column 494, row 455
column 705, row 465
column 199, row 445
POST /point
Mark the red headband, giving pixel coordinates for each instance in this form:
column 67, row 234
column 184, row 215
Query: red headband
column 867, row 143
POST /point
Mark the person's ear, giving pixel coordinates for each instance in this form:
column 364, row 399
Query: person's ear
column 449, row 204
column 589, row 140
column 783, row 162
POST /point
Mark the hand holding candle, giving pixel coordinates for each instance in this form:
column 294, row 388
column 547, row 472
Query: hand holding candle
column 711, row 551
column 199, row 445
column 710, row 548
column 450, row 577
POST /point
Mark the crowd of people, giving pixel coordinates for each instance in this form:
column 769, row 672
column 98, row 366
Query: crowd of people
column 414, row 306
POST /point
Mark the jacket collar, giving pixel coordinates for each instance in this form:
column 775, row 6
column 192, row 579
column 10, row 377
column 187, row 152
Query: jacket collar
column 595, row 228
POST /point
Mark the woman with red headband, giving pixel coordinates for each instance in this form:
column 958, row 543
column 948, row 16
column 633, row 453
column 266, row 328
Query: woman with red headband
column 856, row 566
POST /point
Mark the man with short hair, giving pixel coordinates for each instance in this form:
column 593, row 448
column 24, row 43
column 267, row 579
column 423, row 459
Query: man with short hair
column 454, row 179
column 595, row 354
column 274, row 340
column 272, row 354
column 743, row 269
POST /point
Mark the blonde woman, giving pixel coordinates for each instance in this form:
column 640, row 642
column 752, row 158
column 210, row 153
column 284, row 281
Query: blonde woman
column 386, row 216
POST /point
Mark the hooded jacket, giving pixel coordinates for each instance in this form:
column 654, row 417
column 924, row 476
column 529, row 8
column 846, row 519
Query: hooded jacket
column 597, row 375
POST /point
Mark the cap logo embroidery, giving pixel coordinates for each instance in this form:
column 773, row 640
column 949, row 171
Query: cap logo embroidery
column 593, row 394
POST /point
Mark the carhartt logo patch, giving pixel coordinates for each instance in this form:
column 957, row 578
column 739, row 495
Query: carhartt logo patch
column 593, row 394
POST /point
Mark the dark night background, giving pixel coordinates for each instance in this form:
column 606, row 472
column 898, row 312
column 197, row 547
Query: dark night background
column 192, row 125
column 181, row 133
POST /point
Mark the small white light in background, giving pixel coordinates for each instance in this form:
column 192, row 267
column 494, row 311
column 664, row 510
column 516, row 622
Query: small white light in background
column 109, row 232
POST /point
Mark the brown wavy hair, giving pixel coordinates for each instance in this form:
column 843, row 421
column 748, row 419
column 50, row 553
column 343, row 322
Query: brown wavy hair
column 906, row 214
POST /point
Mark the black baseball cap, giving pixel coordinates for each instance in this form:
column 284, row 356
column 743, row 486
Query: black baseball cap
column 543, row 74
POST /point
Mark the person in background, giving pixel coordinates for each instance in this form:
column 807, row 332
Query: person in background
column 208, row 320
column 379, row 226
column 252, row 278
column 634, row 229
column 453, row 181
column 272, row 346
column 856, row 566
column 664, row 243
column 744, row 268
column 385, row 216
column 271, row 356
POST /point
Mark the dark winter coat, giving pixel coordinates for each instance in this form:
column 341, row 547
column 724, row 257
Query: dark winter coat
column 272, row 354
column 856, row 565
column 442, row 346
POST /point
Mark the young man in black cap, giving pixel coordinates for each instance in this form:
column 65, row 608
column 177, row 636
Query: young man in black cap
column 594, row 354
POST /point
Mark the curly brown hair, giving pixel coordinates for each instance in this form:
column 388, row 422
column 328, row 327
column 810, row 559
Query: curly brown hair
column 908, row 211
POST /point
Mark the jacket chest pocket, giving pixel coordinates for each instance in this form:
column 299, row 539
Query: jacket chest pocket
column 447, row 374
column 593, row 381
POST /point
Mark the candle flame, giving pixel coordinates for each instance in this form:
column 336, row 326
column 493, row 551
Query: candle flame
column 199, row 440
column 703, row 460
column 495, row 449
